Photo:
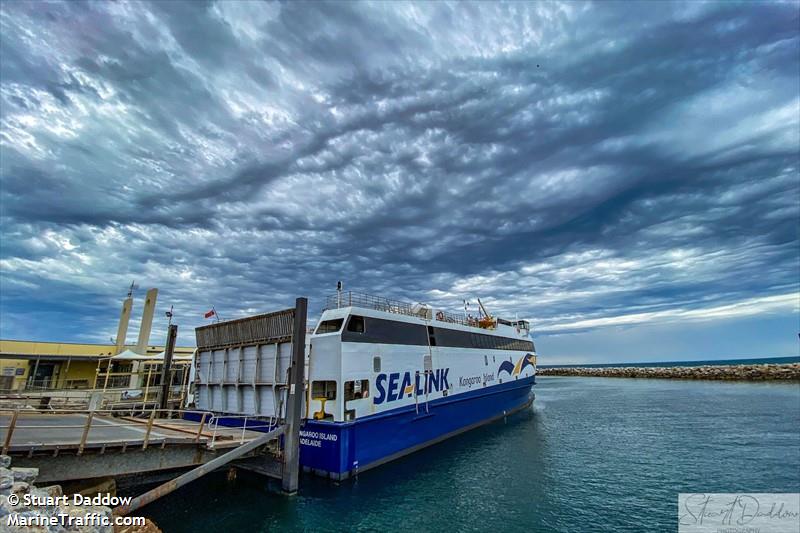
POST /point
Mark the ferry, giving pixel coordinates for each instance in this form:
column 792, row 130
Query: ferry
column 387, row 378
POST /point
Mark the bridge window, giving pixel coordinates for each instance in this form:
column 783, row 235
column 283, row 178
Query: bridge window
column 330, row 326
column 356, row 324
column 356, row 390
column 323, row 389
column 381, row 331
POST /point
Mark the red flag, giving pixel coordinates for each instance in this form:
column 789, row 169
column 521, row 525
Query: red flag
column 211, row 313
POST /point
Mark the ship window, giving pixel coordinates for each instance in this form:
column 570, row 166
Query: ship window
column 330, row 326
column 356, row 390
column 376, row 364
column 380, row 331
column 486, row 360
column 323, row 389
column 356, row 324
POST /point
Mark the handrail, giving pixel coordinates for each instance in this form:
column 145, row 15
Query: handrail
column 96, row 411
column 214, row 423
column 117, row 398
column 18, row 415
column 207, row 420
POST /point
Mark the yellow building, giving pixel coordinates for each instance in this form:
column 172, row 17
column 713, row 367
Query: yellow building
column 41, row 366
column 36, row 365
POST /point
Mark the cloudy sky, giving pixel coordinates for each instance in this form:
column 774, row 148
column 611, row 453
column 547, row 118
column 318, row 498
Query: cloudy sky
column 624, row 175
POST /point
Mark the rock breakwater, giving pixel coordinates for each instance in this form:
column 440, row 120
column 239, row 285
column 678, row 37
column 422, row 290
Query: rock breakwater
column 25, row 508
column 783, row 372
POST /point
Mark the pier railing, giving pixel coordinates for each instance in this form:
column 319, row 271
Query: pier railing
column 247, row 422
column 199, row 423
column 77, row 434
column 111, row 398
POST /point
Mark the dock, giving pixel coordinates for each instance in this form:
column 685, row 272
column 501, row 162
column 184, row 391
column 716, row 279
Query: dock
column 73, row 445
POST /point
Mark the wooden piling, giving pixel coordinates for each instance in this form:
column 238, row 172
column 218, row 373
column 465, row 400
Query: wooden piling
column 291, row 452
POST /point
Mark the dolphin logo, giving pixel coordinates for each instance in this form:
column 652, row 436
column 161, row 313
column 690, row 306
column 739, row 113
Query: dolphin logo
column 515, row 370
column 506, row 366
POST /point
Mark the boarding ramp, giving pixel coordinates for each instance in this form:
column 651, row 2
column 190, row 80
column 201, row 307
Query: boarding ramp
column 243, row 365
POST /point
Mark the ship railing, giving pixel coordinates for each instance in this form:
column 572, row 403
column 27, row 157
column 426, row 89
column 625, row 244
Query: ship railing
column 370, row 301
column 381, row 303
column 455, row 318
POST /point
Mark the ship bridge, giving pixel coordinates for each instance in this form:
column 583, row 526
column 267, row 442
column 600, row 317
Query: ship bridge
column 344, row 299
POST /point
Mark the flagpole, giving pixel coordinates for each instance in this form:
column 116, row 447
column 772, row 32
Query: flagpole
column 216, row 314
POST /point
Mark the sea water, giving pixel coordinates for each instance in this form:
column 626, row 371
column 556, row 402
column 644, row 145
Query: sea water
column 592, row 454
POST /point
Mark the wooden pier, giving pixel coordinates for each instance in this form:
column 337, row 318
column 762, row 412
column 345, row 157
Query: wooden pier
column 73, row 445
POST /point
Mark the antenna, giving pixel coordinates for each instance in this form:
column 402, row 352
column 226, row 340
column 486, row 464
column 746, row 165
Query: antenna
column 132, row 288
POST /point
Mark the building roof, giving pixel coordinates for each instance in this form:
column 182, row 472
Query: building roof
column 129, row 355
column 17, row 349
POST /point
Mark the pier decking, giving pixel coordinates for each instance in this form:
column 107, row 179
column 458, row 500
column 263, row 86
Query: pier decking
column 78, row 445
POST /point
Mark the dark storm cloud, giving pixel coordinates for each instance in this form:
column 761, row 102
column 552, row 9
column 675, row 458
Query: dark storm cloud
column 582, row 165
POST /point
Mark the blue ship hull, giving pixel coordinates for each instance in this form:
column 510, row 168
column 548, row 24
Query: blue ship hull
column 339, row 450
column 342, row 449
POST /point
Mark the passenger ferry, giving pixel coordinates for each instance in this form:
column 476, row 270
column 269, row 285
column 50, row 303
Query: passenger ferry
column 388, row 378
